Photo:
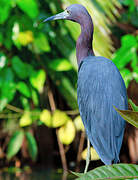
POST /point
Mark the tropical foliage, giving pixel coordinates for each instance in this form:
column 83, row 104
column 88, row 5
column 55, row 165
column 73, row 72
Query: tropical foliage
column 38, row 69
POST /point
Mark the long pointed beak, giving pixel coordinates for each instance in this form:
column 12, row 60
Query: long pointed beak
column 62, row 15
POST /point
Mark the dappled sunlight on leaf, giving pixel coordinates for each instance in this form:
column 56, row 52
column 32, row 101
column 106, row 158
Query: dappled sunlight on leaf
column 60, row 65
column 25, row 38
column 37, row 80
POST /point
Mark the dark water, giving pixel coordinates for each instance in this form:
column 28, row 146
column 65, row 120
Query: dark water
column 36, row 175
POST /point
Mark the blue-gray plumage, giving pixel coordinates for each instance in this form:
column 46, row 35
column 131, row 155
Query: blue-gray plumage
column 100, row 87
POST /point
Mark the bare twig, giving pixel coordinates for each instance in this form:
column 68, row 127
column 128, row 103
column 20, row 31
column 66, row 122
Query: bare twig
column 82, row 138
column 62, row 153
column 13, row 108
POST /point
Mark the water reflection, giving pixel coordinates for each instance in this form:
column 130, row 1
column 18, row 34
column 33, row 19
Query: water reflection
column 40, row 174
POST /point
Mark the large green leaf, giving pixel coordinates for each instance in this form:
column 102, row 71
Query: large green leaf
column 32, row 145
column 125, row 54
column 19, row 67
column 30, row 7
column 5, row 7
column 129, row 116
column 115, row 171
column 15, row 143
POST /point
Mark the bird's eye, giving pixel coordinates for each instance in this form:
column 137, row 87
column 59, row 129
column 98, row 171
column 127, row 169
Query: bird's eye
column 68, row 11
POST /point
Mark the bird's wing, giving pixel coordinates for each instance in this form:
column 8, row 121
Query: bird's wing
column 100, row 87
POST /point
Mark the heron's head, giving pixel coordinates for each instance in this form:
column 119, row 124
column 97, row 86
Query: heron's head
column 74, row 12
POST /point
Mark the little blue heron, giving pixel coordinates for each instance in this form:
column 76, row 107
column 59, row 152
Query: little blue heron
column 100, row 87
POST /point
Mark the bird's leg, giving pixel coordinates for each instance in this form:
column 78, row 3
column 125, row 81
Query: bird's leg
column 88, row 157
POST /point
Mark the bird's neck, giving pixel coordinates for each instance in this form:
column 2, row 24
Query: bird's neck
column 84, row 42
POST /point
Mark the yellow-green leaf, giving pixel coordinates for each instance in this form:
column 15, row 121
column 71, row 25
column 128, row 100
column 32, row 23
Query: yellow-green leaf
column 46, row 118
column 79, row 124
column 94, row 155
column 24, row 38
column 129, row 116
column 59, row 118
column 41, row 43
column 25, row 120
column 134, row 107
column 67, row 132
column 38, row 79
column 60, row 65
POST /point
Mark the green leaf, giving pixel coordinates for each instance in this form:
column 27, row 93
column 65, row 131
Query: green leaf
column 30, row 7
column 5, row 7
column 7, row 86
column 115, row 171
column 60, row 65
column 134, row 107
column 37, row 80
column 32, row 145
column 129, row 41
column 124, row 55
column 35, row 97
column 129, row 116
column 127, row 75
column 135, row 73
column 15, row 143
column 41, row 43
column 23, row 89
column 19, row 67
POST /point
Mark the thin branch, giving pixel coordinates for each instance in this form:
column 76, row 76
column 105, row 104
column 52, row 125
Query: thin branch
column 72, row 112
column 62, row 153
column 13, row 108
column 80, row 149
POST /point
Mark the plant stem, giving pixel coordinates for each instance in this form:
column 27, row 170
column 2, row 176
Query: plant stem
column 62, row 153
column 88, row 156
column 13, row 108
column 82, row 138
